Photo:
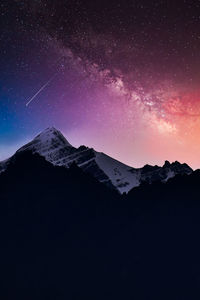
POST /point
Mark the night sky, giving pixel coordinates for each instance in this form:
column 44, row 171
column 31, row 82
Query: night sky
column 123, row 76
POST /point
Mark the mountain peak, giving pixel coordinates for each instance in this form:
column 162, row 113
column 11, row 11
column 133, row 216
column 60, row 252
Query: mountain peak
column 48, row 141
column 50, row 134
column 178, row 166
column 166, row 164
column 50, row 129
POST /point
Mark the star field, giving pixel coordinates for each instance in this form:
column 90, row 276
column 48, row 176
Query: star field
column 126, row 76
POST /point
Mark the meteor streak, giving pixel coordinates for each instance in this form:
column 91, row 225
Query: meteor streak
column 40, row 90
column 61, row 61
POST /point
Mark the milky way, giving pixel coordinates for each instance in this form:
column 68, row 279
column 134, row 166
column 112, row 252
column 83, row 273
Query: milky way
column 127, row 83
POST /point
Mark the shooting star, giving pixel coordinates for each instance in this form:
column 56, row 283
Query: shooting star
column 40, row 90
column 61, row 61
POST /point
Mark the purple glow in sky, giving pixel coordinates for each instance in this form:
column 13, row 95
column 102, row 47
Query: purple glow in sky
column 126, row 83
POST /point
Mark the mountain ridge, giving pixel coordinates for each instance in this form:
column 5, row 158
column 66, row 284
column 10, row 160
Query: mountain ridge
column 65, row 235
column 55, row 148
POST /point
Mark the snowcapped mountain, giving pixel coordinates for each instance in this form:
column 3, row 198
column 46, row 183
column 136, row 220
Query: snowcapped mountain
column 52, row 145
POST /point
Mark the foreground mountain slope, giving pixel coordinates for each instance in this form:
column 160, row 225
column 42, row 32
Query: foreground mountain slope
column 64, row 235
column 52, row 145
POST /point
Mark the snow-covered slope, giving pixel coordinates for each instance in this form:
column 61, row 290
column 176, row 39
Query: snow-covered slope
column 52, row 145
column 122, row 176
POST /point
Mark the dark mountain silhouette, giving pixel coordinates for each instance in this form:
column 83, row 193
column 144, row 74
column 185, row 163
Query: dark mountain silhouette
column 65, row 235
column 54, row 147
